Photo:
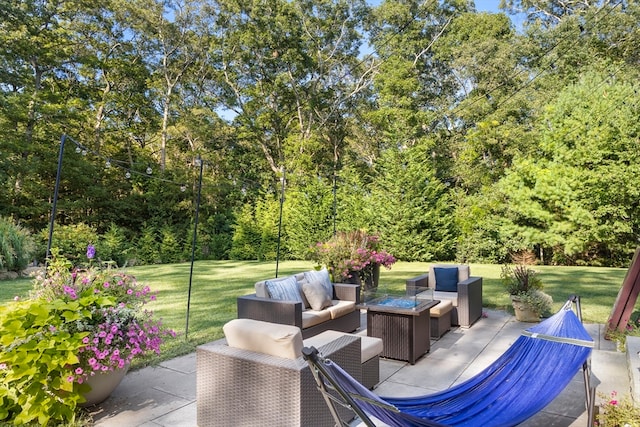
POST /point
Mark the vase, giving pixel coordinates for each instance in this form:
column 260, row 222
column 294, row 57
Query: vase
column 102, row 385
column 524, row 313
column 354, row 279
column 370, row 277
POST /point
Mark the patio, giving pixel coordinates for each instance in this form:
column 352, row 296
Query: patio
column 165, row 395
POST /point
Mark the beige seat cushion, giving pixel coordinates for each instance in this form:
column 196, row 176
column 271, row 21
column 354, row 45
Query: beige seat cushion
column 264, row 337
column 339, row 308
column 313, row 317
column 369, row 346
column 446, row 296
column 443, row 307
column 440, row 295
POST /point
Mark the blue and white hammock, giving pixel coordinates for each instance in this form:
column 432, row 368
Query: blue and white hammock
column 527, row 377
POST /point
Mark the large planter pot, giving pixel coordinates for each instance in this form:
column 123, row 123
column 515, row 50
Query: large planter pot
column 372, row 277
column 102, row 385
column 524, row 313
column 368, row 279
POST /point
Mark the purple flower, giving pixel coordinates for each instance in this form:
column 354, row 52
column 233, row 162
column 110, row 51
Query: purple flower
column 91, row 251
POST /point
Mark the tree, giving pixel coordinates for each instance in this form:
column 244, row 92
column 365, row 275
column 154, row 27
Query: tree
column 414, row 213
column 289, row 72
column 576, row 195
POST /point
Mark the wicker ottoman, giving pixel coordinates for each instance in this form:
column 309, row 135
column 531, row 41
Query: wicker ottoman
column 371, row 348
column 440, row 318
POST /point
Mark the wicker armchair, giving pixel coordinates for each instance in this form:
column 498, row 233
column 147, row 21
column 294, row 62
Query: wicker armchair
column 243, row 388
column 467, row 300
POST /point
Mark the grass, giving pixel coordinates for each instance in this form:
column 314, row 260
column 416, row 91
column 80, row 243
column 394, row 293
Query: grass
column 216, row 284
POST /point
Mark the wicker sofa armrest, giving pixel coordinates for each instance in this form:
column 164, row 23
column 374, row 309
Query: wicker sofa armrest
column 469, row 301
column 270, row 310
column 416, row 284
column 347, row 292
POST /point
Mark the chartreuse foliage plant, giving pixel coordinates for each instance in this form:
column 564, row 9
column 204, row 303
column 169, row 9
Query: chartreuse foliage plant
column 37, row 355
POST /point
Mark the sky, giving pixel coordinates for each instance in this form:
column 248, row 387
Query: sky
column 481, row 6
column 492, row 6
column 487, row 5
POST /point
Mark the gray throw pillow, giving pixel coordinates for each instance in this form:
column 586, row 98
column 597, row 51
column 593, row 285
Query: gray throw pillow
column 321, row 276
column 285, row 289
column 316, row 295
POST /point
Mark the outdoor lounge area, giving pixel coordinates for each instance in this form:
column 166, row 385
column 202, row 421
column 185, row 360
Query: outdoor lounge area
column 165, row 395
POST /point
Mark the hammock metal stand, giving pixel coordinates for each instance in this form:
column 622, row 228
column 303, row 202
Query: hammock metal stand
column 326, row 382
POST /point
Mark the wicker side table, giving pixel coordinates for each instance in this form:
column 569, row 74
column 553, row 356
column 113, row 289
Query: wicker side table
column 405, row 332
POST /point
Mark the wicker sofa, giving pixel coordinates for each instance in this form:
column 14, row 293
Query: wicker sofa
column 247, row 387
column 340, row 315
column 465, row 293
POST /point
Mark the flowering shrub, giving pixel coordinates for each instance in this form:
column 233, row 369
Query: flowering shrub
column 349, row 253
column 77, row 323
column 616, row 412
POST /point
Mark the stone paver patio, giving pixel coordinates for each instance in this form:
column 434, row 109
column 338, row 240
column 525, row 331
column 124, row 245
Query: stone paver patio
column 165, row 395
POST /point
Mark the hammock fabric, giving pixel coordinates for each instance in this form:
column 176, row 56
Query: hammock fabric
column 527, row 377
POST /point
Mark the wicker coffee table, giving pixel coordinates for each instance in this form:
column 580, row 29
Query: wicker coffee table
column 405, row 330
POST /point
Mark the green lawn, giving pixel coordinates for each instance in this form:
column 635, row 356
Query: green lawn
column 216, row 284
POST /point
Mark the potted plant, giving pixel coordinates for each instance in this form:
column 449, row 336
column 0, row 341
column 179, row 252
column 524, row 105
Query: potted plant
column 80, row 327
column 353, row 257
column 525, row 289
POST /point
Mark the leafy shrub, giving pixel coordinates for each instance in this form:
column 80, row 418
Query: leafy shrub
column 170, row 250
column 16, row 246
column 147, row 247
column 218, row 246
column 113, row 246
column 72, row 240
column 214, row 238
column 247, row 236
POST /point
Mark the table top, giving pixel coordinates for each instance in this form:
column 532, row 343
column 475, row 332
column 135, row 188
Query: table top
column 399, row 305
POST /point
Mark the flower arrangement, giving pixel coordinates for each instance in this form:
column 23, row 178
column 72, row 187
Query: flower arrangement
column 525, row 287
column 76, row 324
column 520, row 279
column 615, row 412
column 351, row 253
